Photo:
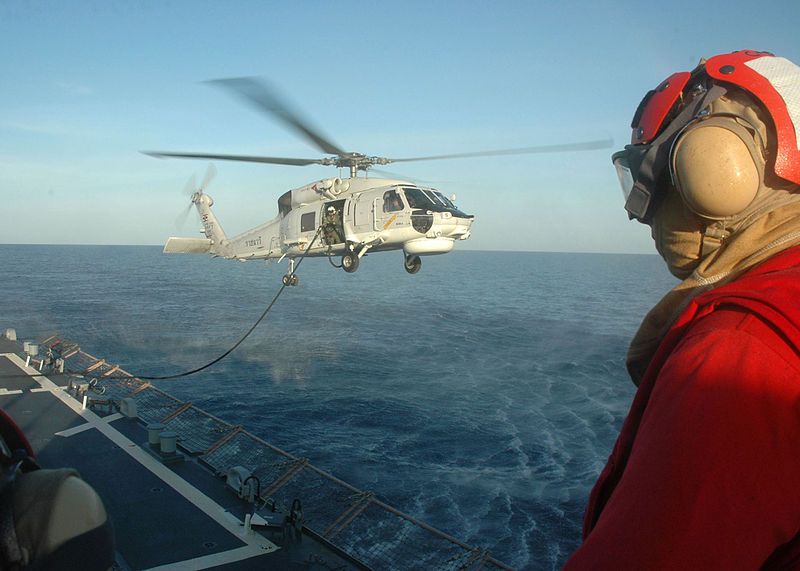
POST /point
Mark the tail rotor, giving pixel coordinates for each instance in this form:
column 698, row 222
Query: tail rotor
column 211, row 172
column 193, row 191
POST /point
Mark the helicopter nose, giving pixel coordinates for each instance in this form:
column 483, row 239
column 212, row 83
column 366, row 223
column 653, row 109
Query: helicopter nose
column 450, row 226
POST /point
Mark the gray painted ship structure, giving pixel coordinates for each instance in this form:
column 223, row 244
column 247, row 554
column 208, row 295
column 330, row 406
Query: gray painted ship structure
column 187, row 490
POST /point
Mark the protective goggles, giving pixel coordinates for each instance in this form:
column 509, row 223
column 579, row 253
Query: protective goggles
column 642, row 165
column 638, row 197
column 634, row 163
column 623, row 166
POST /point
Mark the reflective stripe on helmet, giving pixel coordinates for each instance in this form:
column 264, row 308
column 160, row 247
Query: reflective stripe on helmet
column 775, row 82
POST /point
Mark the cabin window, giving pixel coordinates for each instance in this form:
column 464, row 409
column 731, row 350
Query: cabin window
column 392, row 201
column 307, row 222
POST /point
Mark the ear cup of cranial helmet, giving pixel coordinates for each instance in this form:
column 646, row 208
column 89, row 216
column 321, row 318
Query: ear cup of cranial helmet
column 714, row 168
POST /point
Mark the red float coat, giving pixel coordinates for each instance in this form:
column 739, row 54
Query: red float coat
column 706, row 471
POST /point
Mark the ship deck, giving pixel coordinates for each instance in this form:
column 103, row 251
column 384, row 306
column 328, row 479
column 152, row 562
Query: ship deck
column 178, row 483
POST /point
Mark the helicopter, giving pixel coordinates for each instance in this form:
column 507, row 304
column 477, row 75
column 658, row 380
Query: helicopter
column 334, row 216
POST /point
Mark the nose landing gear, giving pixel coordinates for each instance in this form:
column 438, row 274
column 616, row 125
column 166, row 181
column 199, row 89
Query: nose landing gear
column 412, row 263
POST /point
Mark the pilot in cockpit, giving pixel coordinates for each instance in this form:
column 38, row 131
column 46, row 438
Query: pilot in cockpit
column 392, row 201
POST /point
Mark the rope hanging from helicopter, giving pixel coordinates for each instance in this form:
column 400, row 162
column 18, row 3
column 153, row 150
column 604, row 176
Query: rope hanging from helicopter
column 223, row 355
column 329, row 254
column 246, row 335
column 261, row 97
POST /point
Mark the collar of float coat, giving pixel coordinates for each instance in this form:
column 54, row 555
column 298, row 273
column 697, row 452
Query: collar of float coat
column 770, row 234
column 708, row 253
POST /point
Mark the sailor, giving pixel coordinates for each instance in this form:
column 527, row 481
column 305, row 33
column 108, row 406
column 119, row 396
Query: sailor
column 332, row 226
column 49, row 518
column 53, row 355
column 391, row 201
column 705, row 472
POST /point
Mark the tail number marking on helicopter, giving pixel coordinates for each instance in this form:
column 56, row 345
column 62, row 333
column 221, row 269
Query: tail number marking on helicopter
column 254, row 242
column 207, row 226
column 385, row 226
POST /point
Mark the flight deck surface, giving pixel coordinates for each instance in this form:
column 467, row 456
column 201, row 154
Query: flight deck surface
column 175, row 507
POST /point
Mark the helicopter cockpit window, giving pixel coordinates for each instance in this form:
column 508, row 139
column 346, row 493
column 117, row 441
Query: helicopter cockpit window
column 425, row 199
column 446, row 201
column 392, row 201
column 417, row 199
column 433, row 200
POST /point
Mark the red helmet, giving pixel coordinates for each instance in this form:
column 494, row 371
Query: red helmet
column 684, row 96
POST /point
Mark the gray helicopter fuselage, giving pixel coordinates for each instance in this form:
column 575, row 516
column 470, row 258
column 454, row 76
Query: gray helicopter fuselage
column 335, row 216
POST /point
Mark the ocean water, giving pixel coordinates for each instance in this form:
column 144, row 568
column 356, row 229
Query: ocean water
column 481, row 395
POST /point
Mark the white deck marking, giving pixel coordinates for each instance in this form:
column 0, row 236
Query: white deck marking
column 212, row 560
column 255, row 544
column 86, row 426
column 44, row 390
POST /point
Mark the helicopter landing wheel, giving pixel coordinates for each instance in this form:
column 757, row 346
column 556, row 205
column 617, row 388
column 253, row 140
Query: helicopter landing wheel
column 350, row 262
column 290, row 280
column 412, row 264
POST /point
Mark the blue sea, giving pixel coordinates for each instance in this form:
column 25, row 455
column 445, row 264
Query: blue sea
column 481, row 395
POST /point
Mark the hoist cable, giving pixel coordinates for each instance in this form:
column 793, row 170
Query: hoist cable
column 210, row 363
column 329, row 254
column 240, row 341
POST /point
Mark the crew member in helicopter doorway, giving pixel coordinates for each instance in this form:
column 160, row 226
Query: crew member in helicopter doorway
column 705, row 472
column 332, row 226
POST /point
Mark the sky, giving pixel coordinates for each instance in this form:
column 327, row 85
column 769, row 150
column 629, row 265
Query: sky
column 88, row 85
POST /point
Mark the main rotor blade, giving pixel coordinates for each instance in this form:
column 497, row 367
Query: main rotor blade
column 241, row 158
column 263, row 98
column 585, row 146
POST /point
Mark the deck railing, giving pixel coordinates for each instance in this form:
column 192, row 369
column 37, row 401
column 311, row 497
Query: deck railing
column 354, row 521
